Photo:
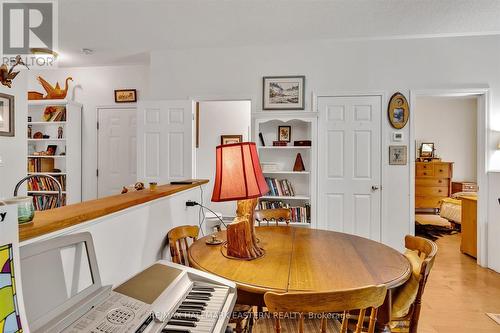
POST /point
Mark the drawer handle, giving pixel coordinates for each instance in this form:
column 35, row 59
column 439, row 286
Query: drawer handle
column 441, row 170
column 425, row 173
column 440, row 181
column 439, row 191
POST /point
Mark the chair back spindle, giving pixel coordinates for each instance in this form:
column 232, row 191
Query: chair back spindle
column 277, row 215
column 178, row 242
column 362, row 300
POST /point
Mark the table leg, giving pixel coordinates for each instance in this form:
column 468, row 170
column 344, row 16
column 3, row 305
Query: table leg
column 384, row 315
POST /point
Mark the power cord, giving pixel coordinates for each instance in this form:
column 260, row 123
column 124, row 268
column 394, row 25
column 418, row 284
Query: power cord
column 191, row 203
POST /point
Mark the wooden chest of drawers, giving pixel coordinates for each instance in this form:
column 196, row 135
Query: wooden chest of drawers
column 432, row 183
column 463, row 187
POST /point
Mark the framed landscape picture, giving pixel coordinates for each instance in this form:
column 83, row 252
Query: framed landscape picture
column 283, row 92
column 229, row 139
column 6, row 115
column 126, row 96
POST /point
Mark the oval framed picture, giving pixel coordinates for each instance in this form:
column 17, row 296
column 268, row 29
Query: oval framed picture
column 398, row 110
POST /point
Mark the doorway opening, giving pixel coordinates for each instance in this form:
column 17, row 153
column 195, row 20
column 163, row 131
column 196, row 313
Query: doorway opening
column 448, row 138
column 213, row 120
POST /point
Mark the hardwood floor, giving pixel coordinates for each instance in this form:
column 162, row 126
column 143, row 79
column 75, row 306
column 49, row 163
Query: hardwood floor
column 459, row 293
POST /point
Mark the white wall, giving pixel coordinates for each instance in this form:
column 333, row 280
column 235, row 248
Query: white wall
column 129, row 240
column 340, row 66
column 219, row 118
column 451, row 123
column 92, row 87
column 13, row 150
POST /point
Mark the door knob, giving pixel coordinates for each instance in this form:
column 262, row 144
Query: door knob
column 375, row 188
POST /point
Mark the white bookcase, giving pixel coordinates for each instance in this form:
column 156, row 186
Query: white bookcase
column 303, row 127
column 68, row 157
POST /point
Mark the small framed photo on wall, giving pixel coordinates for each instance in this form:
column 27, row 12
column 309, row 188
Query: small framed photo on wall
column 125, row 96
column 7, row 115
column 398, row 155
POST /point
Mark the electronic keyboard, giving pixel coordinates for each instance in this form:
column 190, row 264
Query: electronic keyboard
column 163, row 298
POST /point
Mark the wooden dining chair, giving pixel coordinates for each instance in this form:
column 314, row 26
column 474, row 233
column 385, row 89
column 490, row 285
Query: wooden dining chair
column 427, row 251
column 364, row 301
column 178, row 240
column 277, row 215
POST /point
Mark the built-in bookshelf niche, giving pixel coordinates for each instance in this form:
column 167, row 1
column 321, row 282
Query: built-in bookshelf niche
column 289, row 188
column 54, row 149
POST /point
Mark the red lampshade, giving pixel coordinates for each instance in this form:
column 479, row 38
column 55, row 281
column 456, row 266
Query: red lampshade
column 238, row 175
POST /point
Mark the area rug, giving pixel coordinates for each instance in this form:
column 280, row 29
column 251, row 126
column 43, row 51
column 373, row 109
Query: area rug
column 433, row 232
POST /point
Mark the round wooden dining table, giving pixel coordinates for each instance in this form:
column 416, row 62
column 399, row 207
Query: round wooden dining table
column 299, row 259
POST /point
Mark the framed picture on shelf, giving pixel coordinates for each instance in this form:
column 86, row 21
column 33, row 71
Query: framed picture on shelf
column 283, row 92
column 125, row 96
column 51, row 150
column 284, row 133
column 7, row 126
column 229, row 139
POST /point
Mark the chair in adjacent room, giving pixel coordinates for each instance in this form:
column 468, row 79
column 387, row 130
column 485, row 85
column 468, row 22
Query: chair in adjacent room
column 407, row 299
column 277, row 215
column 179, row 240
column 292, row 312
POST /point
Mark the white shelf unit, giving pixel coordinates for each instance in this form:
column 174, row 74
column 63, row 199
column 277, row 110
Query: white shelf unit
column 303, row 127
column 69, row 164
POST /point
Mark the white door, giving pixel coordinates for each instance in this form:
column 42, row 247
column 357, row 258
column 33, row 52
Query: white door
column 165, row 141
column 117, row 149
column 350, row 164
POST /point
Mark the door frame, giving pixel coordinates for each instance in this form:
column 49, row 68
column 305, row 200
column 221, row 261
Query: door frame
column 219, row 98
column 104, row 107
column 383, row 135
column 483, row 121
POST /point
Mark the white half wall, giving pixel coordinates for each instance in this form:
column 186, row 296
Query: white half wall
column 13, row 150
column 219, row 118
column 92, row 87
column 451, row 123
column 334, row 67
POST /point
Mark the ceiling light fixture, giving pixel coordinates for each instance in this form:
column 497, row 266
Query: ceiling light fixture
column 87, row 51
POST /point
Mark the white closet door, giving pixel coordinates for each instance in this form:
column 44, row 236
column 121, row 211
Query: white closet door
column 164, row 141
column 350, row 164
column 117, row 155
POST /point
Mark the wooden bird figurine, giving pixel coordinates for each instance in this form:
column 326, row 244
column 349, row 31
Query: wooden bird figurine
column 7, row 75
column 54, row 92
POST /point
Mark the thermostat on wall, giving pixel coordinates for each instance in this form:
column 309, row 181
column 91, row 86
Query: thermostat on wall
column 397, row 136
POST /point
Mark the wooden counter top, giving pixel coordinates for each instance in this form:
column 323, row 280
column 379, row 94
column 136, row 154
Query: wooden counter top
column 56, row 219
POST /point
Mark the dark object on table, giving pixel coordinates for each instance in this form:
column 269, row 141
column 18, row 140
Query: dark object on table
column 261, row 137
column 139, row 186
column 46, row 136
column 280, row 143
column 302, row 143
column 299, row 163
column 181, row 182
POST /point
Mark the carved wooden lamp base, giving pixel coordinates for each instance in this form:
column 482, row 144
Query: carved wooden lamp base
column 241, row 240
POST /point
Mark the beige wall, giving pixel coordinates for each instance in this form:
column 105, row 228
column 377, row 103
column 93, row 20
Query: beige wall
column 451, row 123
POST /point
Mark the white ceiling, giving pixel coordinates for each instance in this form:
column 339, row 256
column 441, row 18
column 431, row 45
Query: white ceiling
column 126, row 31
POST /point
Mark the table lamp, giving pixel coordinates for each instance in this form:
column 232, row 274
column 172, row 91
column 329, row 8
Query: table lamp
column 239, row 177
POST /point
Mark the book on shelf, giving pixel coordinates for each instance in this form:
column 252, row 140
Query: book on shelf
column 300, row 214
column 39, row 164
column 46, row 201
column 46, row 184
column 279, row 187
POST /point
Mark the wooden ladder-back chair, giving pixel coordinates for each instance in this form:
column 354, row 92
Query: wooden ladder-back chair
column 277, row 215
column 178, row 242
column 325, row 303
column 426, row 250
